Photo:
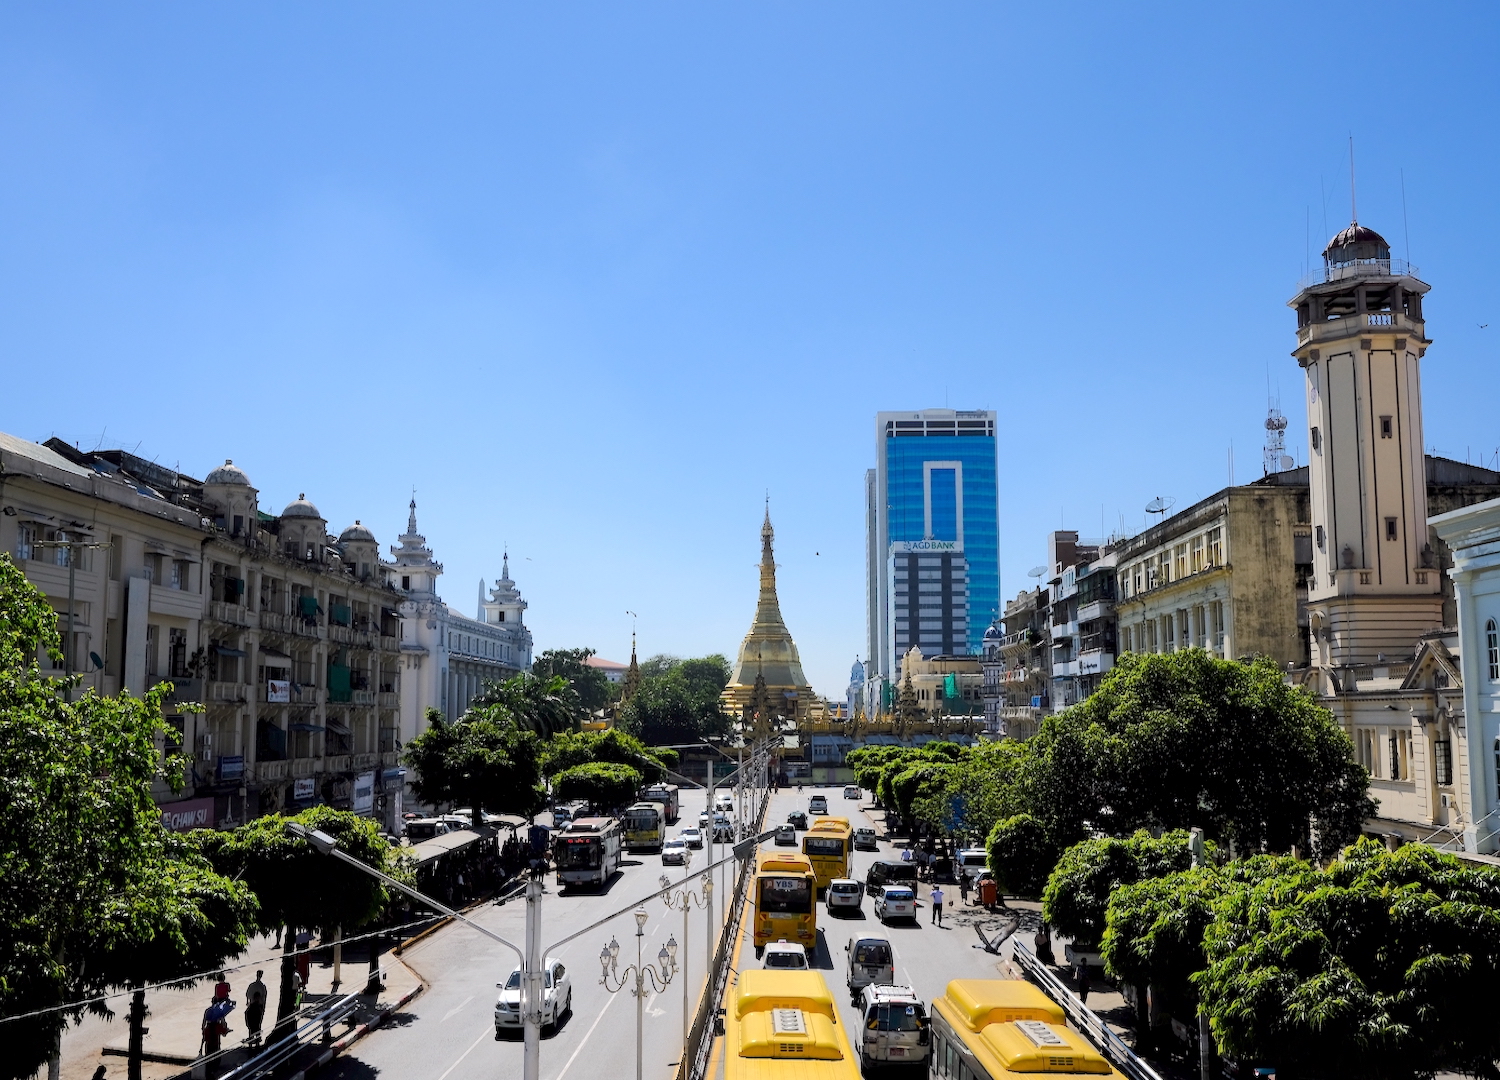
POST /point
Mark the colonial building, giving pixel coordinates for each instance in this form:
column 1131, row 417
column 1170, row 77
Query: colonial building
column 767, row 674
column 448, row 658
column 1018, row 667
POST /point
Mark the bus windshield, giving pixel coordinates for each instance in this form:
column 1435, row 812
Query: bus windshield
column 823, row 845
column 578, row 852
column 785, row 896
column 641, row 820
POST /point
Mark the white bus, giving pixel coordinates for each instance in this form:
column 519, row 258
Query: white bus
column 667, row 795
column 588, row 852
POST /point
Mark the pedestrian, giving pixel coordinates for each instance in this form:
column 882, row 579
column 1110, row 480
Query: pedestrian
column 963, row 887
column 304, row 955
column 255, row 1006
column 1043, row 944
column 221, row 987
column 937, row 904
column 1083, row 979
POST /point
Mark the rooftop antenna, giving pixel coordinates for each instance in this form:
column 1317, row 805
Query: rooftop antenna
column 1353, row 209
column 1036, row 571
column 1405, row 229
column 1160, row 505
column 1275, row 458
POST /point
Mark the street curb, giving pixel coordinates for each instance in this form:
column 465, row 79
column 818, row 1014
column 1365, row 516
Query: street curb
column 358, row 1033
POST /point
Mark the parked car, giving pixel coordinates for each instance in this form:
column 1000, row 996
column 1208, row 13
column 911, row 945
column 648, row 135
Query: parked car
column 818, row 804
column 785, row 834
column 692, row 837
column 420, row 829
column 870, row 960
column 971, row 862
column 785, row 956
column 457, row 822
column 895, row 1026
column 797, row 819
column 674, row 852
column 557, row 997
column 895, row 902
column 851, row 792
column 890, row 871
column 865, row 839
column 844, row 894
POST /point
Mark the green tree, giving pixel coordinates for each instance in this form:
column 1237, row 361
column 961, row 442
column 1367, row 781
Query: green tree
column 482, row 761
column 609, row 746
column 1020, row 855
column 592, row 686
column 300, row 889
column 83, row 854
column 543, row 706
column 1076, row 898
column 655, row 666
column 1382, row 966
column 601, row 784
column 669, row 708
column 706, row 676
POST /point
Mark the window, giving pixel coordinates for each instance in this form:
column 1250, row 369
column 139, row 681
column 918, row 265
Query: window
column 180, row 573
column 1317, row 440
column 1390, row 528
column 1167, row 643
column 239, row 524
column 1442, row 761
column 1385, row 427
column 1492, row 649
column 152, row 565
column 1400, row 751
column 1216, row 547
column 406, row 582
column 502, row 616
column 151, row 638
column 1318, row 536
column 177, row 654
column 25, row 542
column 1195, row 560
column 1364, row 750
column 1179, row 562
column 1125, row 639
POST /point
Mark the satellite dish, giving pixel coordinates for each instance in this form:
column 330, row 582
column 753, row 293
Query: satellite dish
column 1036, row 571
column 1287, row 463
column 1160, row 505
column 98, row 663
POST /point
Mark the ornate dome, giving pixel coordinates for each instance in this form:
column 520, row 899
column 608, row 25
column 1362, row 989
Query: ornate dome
column 994, row 633
column 301, row 508
column 857, row 672
column 228, row 473
column 1356, row 244
column 357, row 532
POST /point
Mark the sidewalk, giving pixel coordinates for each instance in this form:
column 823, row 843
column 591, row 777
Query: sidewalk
column 174, row 1017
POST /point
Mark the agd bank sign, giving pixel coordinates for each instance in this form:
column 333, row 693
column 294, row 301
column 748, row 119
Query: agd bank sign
column 930, row 547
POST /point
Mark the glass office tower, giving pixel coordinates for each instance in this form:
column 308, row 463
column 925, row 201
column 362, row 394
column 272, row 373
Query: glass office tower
column 934, row 479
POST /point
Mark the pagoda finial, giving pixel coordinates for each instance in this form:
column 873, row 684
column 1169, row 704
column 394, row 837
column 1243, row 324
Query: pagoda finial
column 411, row 518
column 505, row 566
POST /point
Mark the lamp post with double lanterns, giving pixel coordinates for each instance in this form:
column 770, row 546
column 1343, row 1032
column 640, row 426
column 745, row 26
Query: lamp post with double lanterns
column 638, row 975
column 684, row 899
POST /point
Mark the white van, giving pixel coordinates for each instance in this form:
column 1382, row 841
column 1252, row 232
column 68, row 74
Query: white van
column 870, row 961
column 895, row 1026
column 971, row 862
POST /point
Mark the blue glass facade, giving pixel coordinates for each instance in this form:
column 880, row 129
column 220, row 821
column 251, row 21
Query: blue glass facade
column 960, row 481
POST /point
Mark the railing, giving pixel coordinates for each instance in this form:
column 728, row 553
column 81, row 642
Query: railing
column 389, row 643
column 337, row 763
column 365, row 761
column 389, row 759
column 363, row 639
column 342, row 634
column 1082, row 1017
column 306, row 766
column 1361, row 268
column 274, row 623
column 276, row 1054
column 230, row 614
column 270, row 770
column 362, row 697
column 231, row 693
column 389, row 700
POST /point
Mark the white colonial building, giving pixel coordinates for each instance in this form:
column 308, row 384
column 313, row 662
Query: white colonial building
column 448, row 658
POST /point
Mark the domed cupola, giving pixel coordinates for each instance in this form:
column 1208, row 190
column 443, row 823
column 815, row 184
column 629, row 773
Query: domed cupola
column 994, row 633
column 304, row 532
column 229, row 475
column 357, row 533
column 301, row 508
column 229, row 491
column 1356, row 245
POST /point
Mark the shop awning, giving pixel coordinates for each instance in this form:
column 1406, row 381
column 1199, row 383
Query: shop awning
column 225, row 650
column 275, row 653
column 335, row 726
column 305, row 727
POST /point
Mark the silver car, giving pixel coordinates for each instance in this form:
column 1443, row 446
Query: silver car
column 844, row 895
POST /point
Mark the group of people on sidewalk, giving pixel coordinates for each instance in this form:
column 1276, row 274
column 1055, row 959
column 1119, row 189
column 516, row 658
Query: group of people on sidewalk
column 216, row 1016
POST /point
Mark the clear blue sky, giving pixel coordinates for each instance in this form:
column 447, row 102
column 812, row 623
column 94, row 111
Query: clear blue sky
column 594, row 278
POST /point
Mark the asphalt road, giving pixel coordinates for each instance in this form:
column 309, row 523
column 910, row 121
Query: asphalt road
column 447, row 1032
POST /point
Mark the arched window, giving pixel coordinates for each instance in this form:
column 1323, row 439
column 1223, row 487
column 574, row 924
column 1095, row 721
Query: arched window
column 1492, row 649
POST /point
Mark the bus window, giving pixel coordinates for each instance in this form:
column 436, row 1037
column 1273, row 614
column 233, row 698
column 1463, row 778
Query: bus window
column 785, row 896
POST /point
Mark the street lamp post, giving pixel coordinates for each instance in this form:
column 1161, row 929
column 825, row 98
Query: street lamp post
column 659, row 975
column 684, row 898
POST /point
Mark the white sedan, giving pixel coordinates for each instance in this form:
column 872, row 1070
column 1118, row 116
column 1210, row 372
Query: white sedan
column 674, row 852
column 692, row 837
column 557, row 997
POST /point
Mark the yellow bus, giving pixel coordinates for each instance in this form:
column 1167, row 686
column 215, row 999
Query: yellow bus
column 784, row 1025
column 1000, row 1029
column 786, row 901
column 644, row 827
column 828, row 844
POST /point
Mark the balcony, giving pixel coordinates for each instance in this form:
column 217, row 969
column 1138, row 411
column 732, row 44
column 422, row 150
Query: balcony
column 302, row 767
column 273, row 623
column 1097, row 609
column 388, row 643
column 226, row 693
column 363, row 639
column 389, row 701
column 389, row 759
column 1363, row 268
column 270, row 771
column 362, row 697
column 364, row 761
column 1095, row 662
column 1064, row 630
column 221, row 611
column 1065, row 670
column 337, row 763
column 1019, row 712
column 342, row 634
column 185, row 690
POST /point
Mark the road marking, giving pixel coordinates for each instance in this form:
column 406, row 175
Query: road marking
column 583, row 1040
column 449, row 1014
column 466, row 1053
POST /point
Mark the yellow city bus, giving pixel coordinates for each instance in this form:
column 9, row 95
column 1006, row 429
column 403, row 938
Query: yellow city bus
column 784, row 1025
column 785, row 896
column 828, row 844
column 998, row 1029
column 644, row 827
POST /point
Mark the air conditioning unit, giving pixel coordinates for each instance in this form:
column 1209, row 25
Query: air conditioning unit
column 206, row 740
column 1447, row 801
column 205, row 754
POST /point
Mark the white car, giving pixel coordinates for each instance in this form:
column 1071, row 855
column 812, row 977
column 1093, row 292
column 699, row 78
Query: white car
column 818, row 804
column 895, row 902
column 844, row 895
column 785, row 834
column 851, row 792
column 674, row 853
column 692, row 837
column 865, row 839
column 785, row 957
column 557, row 997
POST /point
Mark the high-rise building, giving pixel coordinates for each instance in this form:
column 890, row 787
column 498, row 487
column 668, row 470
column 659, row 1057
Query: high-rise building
column 934, row 480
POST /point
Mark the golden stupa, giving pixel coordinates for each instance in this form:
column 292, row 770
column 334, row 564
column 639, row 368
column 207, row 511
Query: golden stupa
column 767, row 683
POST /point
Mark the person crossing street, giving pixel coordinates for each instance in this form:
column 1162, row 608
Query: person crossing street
column 937, row 904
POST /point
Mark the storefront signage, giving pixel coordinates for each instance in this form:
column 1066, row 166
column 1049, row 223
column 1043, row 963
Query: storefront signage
column 906, row 547
column 188, row 814
column 232, row 768
column 278, row 691
column 303, row 789
column 364, row 793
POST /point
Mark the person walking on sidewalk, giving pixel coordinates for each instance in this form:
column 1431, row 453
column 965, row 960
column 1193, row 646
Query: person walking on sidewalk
column 963, row 886
column 255, row 1007
column 1083, row 979
column 937, row 904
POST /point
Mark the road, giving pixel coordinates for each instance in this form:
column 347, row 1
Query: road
column 447, row 1032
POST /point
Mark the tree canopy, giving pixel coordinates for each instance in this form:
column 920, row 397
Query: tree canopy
column 1077, row 894
column 611, row 746
column 601, row 784
column 678, row 700
column 483, row 761
column 592, row 685
column 544, row 706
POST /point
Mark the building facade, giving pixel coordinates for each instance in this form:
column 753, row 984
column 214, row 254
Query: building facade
column 934, row 479
column 929, row 599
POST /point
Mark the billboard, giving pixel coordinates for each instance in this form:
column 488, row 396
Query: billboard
column 188, row 814
column 278, row 691
column 908, row 547
column 364, row 793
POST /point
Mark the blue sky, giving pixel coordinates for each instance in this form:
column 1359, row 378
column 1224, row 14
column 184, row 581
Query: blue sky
column 595, row 278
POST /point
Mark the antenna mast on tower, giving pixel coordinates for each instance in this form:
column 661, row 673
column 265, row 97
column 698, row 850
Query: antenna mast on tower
column 1275, row 459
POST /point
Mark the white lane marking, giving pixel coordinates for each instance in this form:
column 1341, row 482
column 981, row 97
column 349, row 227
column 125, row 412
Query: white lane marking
column 450, row 1013
column 904, row 973
column 466, row 1053
column 585, row 1039
column 650, row 1001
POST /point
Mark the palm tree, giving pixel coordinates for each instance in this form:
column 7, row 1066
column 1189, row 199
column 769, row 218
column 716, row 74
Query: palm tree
column 544, row 706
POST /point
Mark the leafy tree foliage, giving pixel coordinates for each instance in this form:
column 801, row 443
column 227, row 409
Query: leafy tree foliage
column 1021, row 855
column 300, row 889
column 543, row 706
column 678, row 700
column 592, row 686
column 611, row 746
column 1381, row 966
column 481, row 760
column 601, row 784
column 94, row 893
column 1077, row 894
